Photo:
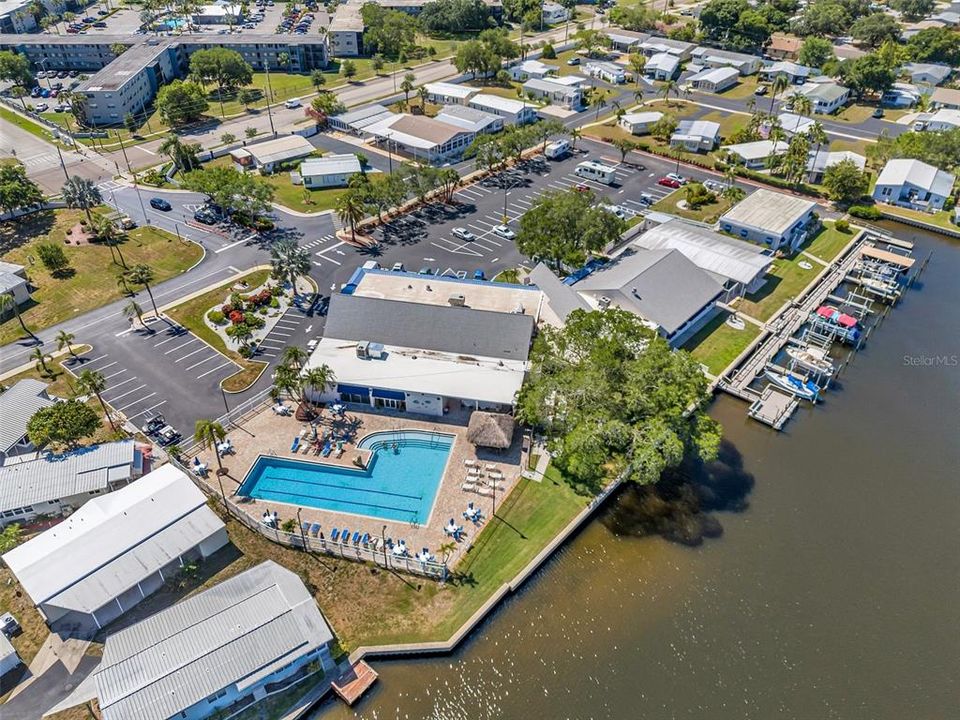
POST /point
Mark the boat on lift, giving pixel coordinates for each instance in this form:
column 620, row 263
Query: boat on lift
column 879, row 285
column 845, row 326
column 812, row 358
column 802, row 388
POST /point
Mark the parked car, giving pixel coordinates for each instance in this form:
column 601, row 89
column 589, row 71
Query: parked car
column 478, row 275
column 9, row 625
column 102, row 13
column 573, row 61
column 505, row 232
column 206, row 216
column 647, row 199
column 464, row 234
column 761, row 90
column 292, row 103
column 41, row 107
column 427, row 270
column 713, row 185
column 397, row 267
column 878, row 113
column 153, row 425
column 168, row 436
column 679, row 178
column 616, row 210
column 160, row 204
column 99, row 24
column 127, row 223
column 668, row 182
column 580, row 187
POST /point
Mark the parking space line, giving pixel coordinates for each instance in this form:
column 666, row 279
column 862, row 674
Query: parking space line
column 112, row 375
column 206, row 359
column 145, row 397
column 281, row 334
column 188, row 342
column 99, row 357
column 149, row 409
column 214, row 370
column 200, row 349
column 102, row 367
column 114, row 399
column 178, row 336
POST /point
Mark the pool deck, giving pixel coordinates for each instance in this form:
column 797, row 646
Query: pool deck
column 268, row 434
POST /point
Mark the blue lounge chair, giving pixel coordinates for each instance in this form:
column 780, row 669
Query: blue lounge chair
column 295, row 444
column 314, row 529
column 356, row 537
column 305, row 526
column 365, row 540
column 326, row 449
column 345, row 536
column 335, row 534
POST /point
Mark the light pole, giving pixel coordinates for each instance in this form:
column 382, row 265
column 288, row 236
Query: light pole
column 223, row 393
column 389, row 153
column 303, row 537
column 62, row 164
column 383, row 542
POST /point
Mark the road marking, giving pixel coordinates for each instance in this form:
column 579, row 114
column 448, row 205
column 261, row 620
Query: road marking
column 117, row 397
column 125, row 332
column 178, row 336
column 120, row 384
column 118, row 372
column 138, row 400
column 149, row 409
column 281, row 334
column 200, row 349
column 101, row 369
column 234, row 244
column 140, row 147
column 206, row 359
column 188, row 342
column 228, row 362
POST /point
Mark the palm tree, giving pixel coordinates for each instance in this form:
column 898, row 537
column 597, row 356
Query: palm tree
column 105, row 231
column 285, row 380
column 669, row 86
column 122, row 283
column 407, row 86
column 184, row 156
column 575, row 134
column 422, row 92
column 210, row 433
column 778, row 85
column 242, row 334
column 41, row 358
column 315, row 379
column 7, row 303
column 294, row 357
column 351, row 209
column 132, row 310
column 81, row 193
column 599, row 102
column 638, row 63
column 817, row 135
column 318, row 79
column 446, row 550
column 143, row 275
column 618, row 111
column 289, row 261
column 65, row 340
column 92, row 382
column 802, row 106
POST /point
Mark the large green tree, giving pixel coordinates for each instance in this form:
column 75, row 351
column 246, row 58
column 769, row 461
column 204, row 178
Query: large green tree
column 867, row 75
column 874, row 30
column 454, row 16
column 612, row 397
column 564, row 228
column 234, row 192
column 476, row 58
column 16, row 189
column 63, row 423
column 15, row 68
column 225, row 68
column 914, row 10
column 846, row 182
column 181, row 101
column 289, row 261
column 815, row 52
column 388, row 32
column 940, row 45
column 80, row 193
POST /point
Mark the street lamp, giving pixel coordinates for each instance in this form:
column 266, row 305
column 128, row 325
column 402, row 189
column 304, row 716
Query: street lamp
column 223, row 393
column 303, row 537
column 383, row 542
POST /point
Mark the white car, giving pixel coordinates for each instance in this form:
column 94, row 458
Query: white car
column 505, row 232
column 312, row 345
column 616, row 210
column 292, row 103
column 398, row 267
column 464, row 234
column 678, row 178
column 713, row 185
column 41, row 107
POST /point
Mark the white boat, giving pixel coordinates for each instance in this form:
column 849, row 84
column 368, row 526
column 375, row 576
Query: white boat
column 812, row 358
column 883, row 287
column 803, row 389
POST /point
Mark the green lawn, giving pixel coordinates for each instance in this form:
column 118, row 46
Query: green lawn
column 785, row 280
column 299, row 198
column 744, row 89
column 855, row 114
column 829, row 241
column 25, row 124
column 730, row 123
column 92, row 281
column 709, row 213
column 941, row 218
column 857, row 146
column 717, row 344
column 429, row 109
column 191, row 315
column 507, row 91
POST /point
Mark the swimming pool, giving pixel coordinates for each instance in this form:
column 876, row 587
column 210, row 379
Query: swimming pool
column 399, row 483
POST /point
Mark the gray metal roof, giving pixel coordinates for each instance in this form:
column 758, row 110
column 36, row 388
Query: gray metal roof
column 456, row 330
column 347, row 163
column 662, row 286
column 18, row 404
column 237, row 632
column 562, row 299
column 768, row 211
column 9, row 281
column 51, row 477
column 114, row 541
column 467, row 117
column 708, row 250
column 363, row 116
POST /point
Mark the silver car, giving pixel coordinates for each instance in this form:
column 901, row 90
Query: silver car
column 464, row 234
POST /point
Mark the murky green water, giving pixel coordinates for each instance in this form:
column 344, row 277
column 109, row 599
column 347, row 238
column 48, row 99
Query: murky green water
column 833, row 591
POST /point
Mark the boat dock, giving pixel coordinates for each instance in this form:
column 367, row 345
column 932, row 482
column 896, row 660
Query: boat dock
column 354, row 682
column 799, row 326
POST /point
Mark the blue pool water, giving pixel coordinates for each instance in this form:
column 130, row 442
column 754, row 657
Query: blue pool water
column 399, row 483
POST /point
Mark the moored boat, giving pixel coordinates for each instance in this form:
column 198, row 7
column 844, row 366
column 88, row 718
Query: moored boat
column 804, row 389
column 812, row 358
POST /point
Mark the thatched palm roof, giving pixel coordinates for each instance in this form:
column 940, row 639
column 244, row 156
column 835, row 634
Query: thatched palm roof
column 492, row 430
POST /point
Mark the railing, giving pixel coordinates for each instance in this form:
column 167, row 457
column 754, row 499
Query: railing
column 243, row 411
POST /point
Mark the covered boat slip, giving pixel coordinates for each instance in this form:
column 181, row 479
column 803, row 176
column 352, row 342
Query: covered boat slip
column 891, row 258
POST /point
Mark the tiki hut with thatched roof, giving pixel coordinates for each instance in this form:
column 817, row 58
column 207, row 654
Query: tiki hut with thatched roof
column 492, row 430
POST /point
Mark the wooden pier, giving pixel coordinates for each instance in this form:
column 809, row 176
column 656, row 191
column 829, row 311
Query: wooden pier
column 354, row 682
column 773, row 408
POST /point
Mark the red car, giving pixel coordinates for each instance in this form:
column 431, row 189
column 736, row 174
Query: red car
column 580, row 187
column 668, row 182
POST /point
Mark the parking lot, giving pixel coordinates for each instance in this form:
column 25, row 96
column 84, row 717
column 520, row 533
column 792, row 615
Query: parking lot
column 138, row 367
column 506, row 197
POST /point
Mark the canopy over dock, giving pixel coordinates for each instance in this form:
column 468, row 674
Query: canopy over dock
column 901, row 261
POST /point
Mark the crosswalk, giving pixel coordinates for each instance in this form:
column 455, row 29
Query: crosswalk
column 45, row 159
column 329, row 251
column 108, row 185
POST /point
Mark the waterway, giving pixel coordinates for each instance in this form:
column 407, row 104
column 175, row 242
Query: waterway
column 830, row 591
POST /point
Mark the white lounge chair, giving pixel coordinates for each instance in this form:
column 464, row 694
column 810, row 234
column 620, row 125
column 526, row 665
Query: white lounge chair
column 468, row 487
column 470, row 463
column 485, row 491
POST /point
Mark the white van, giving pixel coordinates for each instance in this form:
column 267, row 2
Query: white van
column 556, row 150
column 292, row 103
column 595, row 171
